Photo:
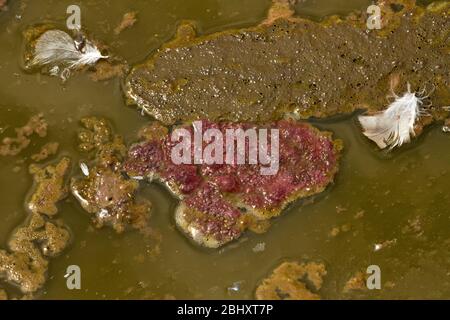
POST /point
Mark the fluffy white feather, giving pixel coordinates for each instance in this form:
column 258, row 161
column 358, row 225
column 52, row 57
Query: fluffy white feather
column 57, row 49
column 394, row 126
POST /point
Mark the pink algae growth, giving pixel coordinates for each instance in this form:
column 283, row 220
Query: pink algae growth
column 220, row 201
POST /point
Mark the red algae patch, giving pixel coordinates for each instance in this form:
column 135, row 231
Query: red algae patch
column 220, row 201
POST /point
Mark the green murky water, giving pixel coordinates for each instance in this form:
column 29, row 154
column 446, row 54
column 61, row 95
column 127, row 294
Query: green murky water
column 399, row 200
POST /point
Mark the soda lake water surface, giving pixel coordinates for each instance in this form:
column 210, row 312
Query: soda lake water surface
column 385, row 209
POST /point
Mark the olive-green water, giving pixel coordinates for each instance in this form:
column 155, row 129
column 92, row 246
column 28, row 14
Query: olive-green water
column 396, row 202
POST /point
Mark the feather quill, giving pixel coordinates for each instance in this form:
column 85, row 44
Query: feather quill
column 57, row 50
column 394, row 126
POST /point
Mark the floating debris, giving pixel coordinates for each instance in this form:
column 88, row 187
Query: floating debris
column 235, row 287
column 84, row 168
column 377, row 247
column 394, row 126
column 446, row 127
column 383, row 245
column 260, row 247
column 60, row 53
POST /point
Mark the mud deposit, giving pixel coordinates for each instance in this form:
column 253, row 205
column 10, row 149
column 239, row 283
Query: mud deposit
column 58, row 171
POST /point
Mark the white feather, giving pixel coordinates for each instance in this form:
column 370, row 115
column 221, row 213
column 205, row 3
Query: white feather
column 55, row 48
column 394, row 126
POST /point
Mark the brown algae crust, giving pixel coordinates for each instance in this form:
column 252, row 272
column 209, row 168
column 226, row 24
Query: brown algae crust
column 293, row 65
column 104, row 191
column 357, row 282
column 293, row 281
column 50, row 187
column 26, row 262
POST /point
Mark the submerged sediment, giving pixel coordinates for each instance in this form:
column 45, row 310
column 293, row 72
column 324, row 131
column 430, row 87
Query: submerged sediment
column 297, row 66
column 293, row 281
column 3, row 295
column 12, row 146
column 3, row 5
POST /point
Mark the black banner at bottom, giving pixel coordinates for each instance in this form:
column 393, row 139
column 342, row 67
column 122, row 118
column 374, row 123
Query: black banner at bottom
column 178, row 309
